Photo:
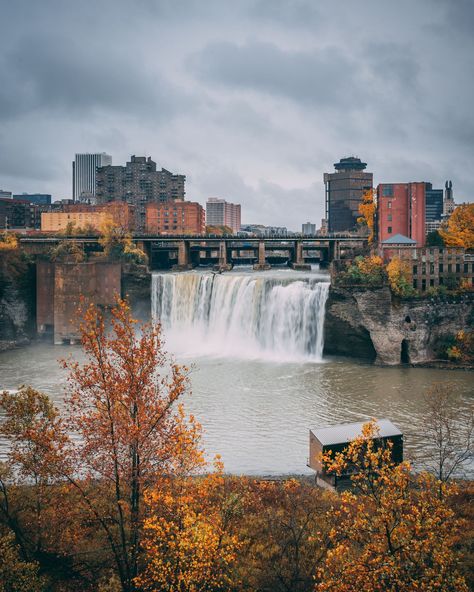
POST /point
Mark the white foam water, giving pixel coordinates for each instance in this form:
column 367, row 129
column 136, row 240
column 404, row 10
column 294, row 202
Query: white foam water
column 277, row 316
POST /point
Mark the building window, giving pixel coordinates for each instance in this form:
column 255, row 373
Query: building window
column 431, row 283
column 389, row 217
column 389, row 205
column 423, row 285
column 415, row 284
column 387, row 191
column 389, row 230
column 458, row 268
column 440, row 268
column 450, row 268
column 431, row 268
column 466, row 268
column 415, row 269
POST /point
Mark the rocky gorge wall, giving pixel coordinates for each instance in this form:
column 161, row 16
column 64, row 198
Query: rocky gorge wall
column 17, row 300
column 370, row 323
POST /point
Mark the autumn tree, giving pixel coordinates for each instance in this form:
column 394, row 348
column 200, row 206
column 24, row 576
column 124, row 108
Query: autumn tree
column 17, row 575
column 459, row 230
column 398, row 272
column 68, row 251
column 118, row 244
column 367, row 209
column 388, row 534
column 127, row 428
column 33, row 429
column 282, row 551
column 448, row 428
column 190, row 542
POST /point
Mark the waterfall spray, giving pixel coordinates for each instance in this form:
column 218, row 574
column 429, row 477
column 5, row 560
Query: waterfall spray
column 278, row 317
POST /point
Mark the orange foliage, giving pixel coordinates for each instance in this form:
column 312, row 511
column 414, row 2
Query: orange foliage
column 459, row 231
column 131, row 433
column 367, row 209
column 390, row 536
column 188, row 542
column 398, row 272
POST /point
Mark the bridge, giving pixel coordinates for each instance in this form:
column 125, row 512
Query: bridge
column 188, row 251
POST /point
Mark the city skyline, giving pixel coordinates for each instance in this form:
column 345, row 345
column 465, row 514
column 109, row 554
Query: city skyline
column 232, row 105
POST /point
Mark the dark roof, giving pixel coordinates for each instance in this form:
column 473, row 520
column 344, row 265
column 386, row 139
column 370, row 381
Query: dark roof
column 399, row 239
column 350, row 164
column 340, row 434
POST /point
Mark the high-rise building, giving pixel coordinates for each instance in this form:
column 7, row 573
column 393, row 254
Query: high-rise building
column 138, row 183
column 84, row 168
column 401, row 211
column 448, row 204
column 40, row 199
column 178, row 217
column 220, row 212
column 344, row 190
column 5, row 194
column 308, row 229
column 434, row 203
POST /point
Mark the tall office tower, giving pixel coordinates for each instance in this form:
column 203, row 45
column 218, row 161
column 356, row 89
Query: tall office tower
column 434, row 203
column 448, row 204
column 308, row 229
column 401, row 210
column 344, row 190
column 220, row 212
column 84, row 167
column 137, row 183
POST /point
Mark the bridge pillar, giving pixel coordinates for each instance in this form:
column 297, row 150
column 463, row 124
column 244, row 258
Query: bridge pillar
column 262, row 262
column 184, row 260
column 223, row 264
column 299, row 262
column 334, row 251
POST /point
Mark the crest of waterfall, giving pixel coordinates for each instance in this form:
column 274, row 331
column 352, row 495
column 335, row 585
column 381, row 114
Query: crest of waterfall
column 277, row 317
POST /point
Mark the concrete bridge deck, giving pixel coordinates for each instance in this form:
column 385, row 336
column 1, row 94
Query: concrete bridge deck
column 187, row 251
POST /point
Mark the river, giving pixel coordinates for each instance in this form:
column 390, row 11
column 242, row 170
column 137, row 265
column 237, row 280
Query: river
column 259, row 381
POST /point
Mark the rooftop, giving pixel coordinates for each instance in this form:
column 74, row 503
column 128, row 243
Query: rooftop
column 399, row 239
column 339, row 434
column 350, row 163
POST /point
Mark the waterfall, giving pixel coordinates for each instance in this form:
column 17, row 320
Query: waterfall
column 276, row 316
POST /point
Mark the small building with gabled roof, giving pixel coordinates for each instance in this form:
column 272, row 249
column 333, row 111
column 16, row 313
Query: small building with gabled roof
column 336, row 439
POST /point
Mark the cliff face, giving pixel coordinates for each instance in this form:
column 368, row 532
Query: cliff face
column 17, row 300
column 369, row 323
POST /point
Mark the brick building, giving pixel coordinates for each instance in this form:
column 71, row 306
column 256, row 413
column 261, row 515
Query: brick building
column 344, row 191
column 179, row 217
column 432, row 267
column 138, row 183
column 85, row 217
column 220, row 212
column 401, row 210
column 18, row 214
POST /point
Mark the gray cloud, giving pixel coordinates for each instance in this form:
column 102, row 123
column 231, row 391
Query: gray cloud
column 252, row 100
column 318, row 78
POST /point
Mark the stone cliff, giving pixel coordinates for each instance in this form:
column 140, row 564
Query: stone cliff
column 17, row 300
column 372, row 324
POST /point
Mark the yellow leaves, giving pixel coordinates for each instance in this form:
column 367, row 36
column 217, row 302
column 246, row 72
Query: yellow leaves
column 398, row 272
column 459, row 230
column 367, row 209
column 8, row 241
column 405, row 534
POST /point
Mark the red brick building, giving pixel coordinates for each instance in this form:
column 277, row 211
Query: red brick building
column 179, row 217
column 401, row 210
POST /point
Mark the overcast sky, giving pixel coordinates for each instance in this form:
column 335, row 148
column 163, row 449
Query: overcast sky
column 252, row 99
